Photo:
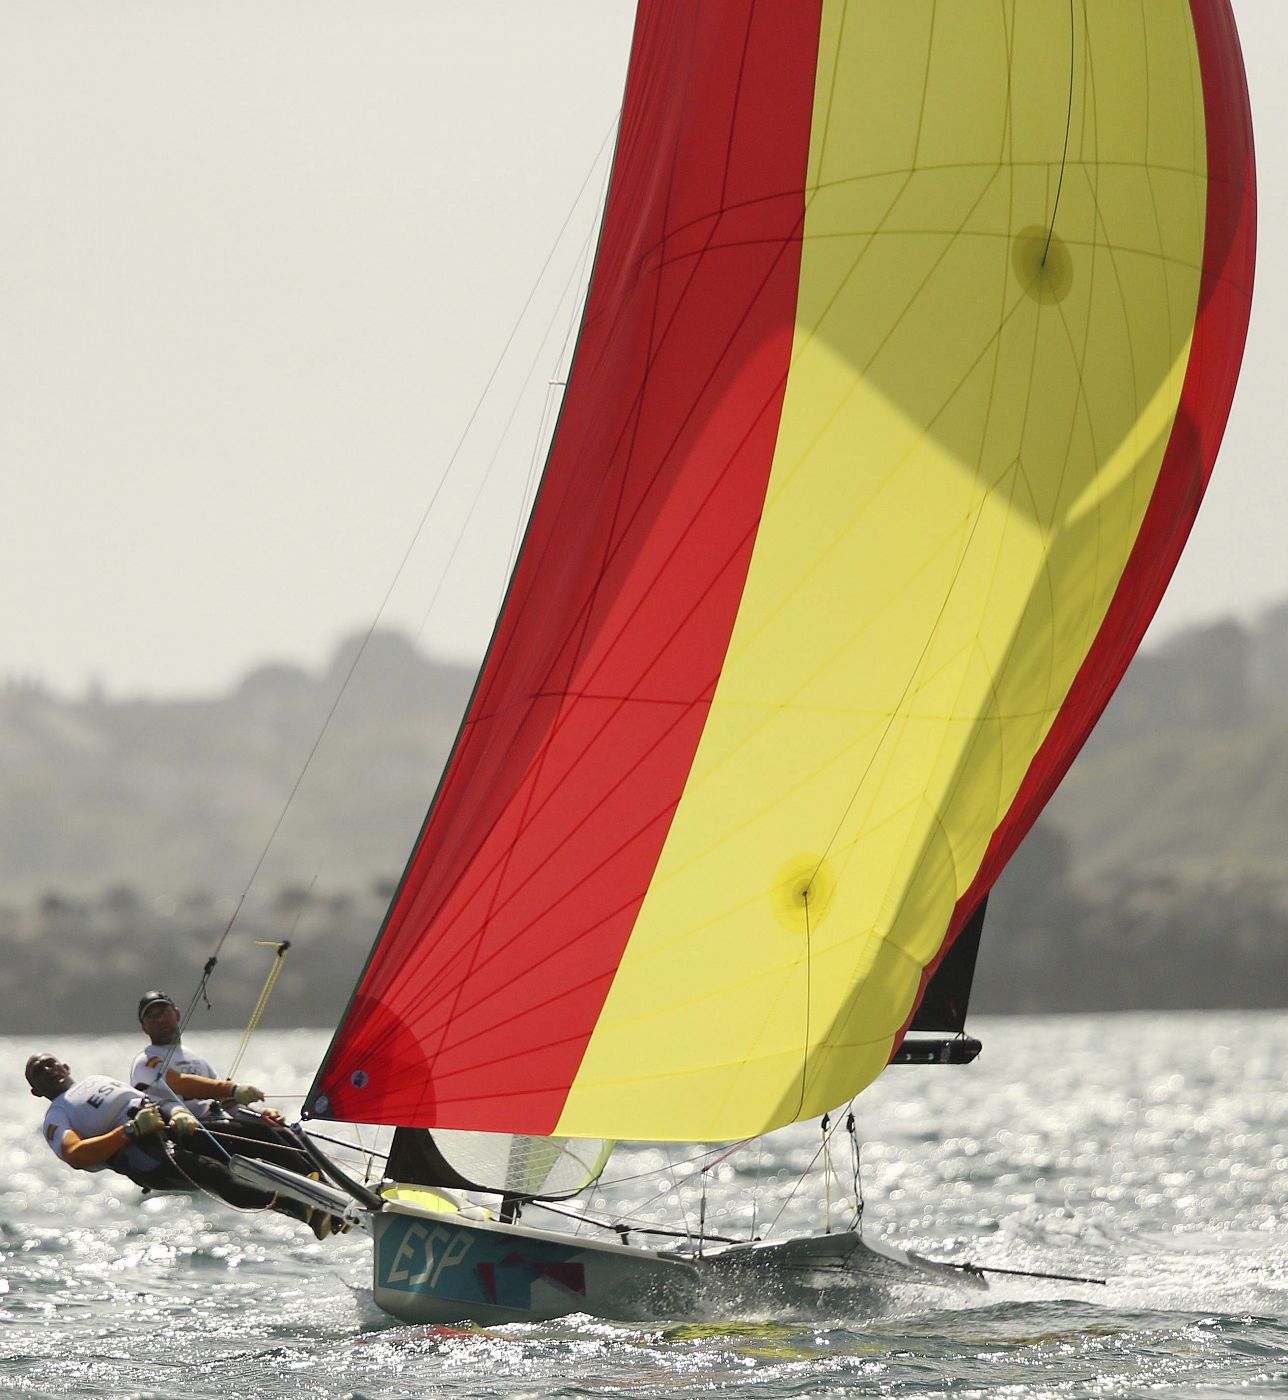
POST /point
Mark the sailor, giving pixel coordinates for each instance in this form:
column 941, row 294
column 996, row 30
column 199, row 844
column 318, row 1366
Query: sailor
column 167, row 1071
column 171, row 1073
column 100, row 1122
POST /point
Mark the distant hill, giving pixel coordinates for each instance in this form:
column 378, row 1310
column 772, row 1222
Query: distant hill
column 1158, row 875
column 1187, row 773
column 129, row 831
column 180, row 798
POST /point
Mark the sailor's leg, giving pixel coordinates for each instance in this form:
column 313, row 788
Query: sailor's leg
column 145, row 1161
column 146, row 1164
column 243, row 1131
column 199, row 1168
column 213, row 1176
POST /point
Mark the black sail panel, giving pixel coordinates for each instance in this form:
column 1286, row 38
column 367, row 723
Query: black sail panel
column 943, row 1008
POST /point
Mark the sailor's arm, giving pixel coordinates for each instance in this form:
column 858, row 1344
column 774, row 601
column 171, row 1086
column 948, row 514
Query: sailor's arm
column 201, row 1086
column 80, row 1152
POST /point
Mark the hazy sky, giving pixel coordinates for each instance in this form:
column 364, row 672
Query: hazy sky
column 257, row 263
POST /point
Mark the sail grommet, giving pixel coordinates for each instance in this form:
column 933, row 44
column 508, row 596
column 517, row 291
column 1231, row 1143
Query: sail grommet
column 1042, row 264
column 359, row 1079
column 803, row 891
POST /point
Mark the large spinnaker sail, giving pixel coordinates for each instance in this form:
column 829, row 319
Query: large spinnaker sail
column 907, row 353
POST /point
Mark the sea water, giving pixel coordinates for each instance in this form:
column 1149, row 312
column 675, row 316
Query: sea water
column 1150, row 1150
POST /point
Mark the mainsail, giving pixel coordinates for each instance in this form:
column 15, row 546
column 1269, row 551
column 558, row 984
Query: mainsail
column 529, row 1168
column 907, row 352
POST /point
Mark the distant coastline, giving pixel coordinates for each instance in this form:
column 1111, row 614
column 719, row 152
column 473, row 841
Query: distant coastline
column 1157, row 879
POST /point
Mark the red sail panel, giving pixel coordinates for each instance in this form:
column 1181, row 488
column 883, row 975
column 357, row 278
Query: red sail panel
column 595, row 691
column 1221, row 328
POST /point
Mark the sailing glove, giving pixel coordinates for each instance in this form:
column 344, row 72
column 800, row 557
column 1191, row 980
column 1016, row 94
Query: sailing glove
column 183, row 1122
column 246, row 1093
column 148, row 1120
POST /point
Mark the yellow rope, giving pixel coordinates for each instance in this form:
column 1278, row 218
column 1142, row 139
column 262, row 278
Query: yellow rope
column 264, row 995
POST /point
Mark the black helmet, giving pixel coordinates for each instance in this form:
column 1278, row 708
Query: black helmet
column 151, row 999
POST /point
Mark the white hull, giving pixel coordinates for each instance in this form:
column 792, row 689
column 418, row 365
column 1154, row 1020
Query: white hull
column 432, row 1267
column 447, row 1265
column 437, row 1267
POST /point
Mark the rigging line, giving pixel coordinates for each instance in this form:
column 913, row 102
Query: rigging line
column 221, row 1136
column 634, row 1220
column 603, row 146
column 340, row 1142
column 800, row 1104
column 827, row 1178
column 269, row 983
column 1068, row 123
column 550, row 410
column 461, row 534
column 791, row 1195
column 856, row 1160
column 168, row 1148
column 584, row 269
column 675, row 1186
column 267, row 991
column 755, row 1189
column 631, row 1224
column 407, row 553
column 563, row 368
column 683, row 1162
column 369, row 1155
column 724, row 1156
column 640, row 1224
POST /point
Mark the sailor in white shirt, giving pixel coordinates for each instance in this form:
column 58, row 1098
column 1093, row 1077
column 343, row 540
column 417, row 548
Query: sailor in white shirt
column 100, row 1122
column 170, row 1073
column 92, row 1124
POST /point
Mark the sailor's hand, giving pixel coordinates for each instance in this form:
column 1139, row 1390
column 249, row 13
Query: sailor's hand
column 148, row 1120
column 246, row 1093
column 183, row 1123
column 271, row 1115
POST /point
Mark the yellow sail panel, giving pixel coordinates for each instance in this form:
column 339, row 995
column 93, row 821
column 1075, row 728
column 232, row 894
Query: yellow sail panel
column 1005, row 227
column 906, row 357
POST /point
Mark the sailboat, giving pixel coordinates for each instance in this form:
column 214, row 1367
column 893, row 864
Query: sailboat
column 908, row 348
